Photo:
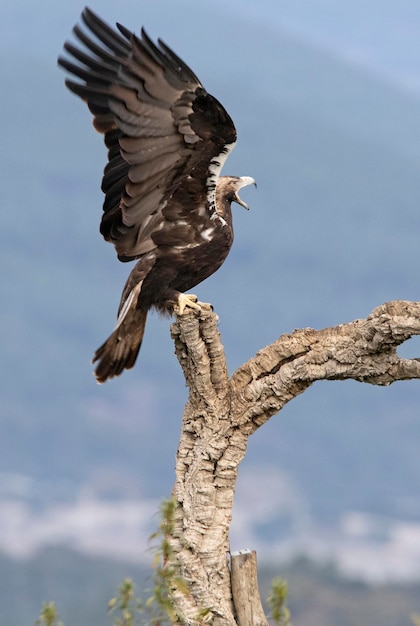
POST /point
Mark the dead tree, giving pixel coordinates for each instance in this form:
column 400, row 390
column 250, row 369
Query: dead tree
column 220, row 415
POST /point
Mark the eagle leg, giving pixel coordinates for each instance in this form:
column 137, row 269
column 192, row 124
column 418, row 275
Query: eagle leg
column 191, row 301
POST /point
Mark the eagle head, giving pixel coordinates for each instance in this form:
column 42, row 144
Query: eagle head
column 229, row 186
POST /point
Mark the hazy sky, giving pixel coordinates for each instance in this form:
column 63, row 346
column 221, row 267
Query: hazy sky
column 381, row 35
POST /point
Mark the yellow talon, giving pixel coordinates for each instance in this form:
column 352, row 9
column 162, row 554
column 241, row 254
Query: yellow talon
column 188, row 300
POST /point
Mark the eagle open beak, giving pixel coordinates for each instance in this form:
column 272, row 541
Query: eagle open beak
column 243, row 182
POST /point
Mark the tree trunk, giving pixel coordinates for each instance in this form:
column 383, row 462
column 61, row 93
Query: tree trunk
column 222, row 412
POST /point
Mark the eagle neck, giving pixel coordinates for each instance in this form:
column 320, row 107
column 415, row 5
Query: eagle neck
column 215, row 167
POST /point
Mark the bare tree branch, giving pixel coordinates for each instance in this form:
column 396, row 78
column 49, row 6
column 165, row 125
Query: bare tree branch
column 363, row 350
column 222, row 412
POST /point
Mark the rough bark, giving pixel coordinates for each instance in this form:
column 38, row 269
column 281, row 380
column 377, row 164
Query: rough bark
column 222, row 412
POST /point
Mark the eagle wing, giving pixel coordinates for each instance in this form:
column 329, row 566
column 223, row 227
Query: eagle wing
column 166, row 136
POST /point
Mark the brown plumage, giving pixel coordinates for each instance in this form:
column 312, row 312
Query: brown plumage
column 166, row 204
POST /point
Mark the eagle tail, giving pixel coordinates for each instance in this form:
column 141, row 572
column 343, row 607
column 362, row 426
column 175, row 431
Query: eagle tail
column 120, row 350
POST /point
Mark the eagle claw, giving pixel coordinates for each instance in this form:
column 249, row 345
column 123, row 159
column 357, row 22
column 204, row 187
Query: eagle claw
column 191, row 301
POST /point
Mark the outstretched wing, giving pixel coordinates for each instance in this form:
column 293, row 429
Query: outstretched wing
column 163, row 131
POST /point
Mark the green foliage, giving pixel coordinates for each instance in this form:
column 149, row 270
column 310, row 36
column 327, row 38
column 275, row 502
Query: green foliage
column 126, row 604
column 277, row 602
column 48, row 616
column 167, row 577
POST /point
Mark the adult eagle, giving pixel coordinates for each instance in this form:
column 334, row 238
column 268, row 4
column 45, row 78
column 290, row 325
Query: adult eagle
column 165, row 201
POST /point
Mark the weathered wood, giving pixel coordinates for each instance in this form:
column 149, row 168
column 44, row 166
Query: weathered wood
column 222, row 412
column 245, row 591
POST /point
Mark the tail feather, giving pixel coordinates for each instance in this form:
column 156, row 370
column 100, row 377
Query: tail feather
column 120, row 350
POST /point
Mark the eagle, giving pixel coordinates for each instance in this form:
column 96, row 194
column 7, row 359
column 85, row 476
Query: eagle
column 166, row 204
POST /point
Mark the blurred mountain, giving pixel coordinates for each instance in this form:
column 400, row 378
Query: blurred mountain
column 81, row 587
column 333, row 232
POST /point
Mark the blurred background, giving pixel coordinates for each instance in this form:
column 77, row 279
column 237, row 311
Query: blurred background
column 326, row 99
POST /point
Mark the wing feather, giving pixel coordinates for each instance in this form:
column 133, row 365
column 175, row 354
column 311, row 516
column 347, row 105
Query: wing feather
column 91, row 45
column 105, row 33
column 160, row 126
column 134, row 148
column 139, row 173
